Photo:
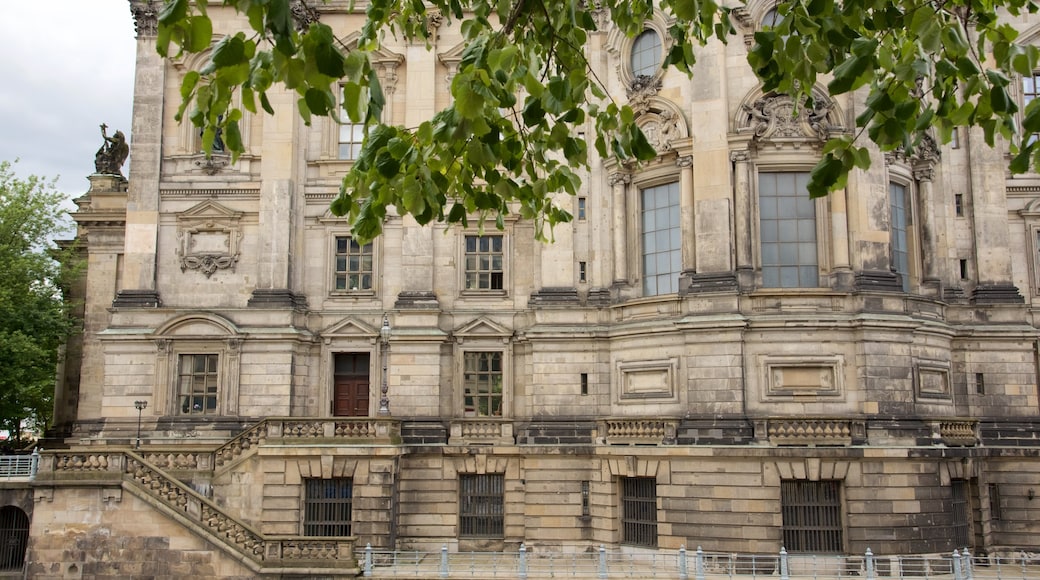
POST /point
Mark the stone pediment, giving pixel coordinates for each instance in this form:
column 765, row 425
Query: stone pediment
column 482, row 328
column 379, row 56
column 1031, row 210
column 350, row 328
column 453, row 56
column 197, row 325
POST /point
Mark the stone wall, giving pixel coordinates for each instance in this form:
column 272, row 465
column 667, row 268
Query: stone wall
column 96, row 533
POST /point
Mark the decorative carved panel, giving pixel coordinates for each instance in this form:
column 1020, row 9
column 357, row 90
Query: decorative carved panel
column 647, row 380
column 801, row 377
column 208, row 237
column 933, row 381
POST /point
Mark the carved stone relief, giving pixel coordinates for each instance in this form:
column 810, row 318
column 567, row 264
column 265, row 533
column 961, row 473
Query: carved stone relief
column 775, row 117
column 208, row 237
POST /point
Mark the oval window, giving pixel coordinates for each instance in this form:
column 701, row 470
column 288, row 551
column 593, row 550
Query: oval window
column 646, row 53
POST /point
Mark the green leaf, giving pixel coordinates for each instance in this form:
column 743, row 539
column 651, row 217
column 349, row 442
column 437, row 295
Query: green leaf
column 173, row 11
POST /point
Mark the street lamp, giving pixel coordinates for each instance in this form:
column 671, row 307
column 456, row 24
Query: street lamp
column 384, row 340
column 139, row 405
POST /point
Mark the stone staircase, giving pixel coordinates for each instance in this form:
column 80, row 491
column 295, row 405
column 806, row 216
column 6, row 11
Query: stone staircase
column 150, row 476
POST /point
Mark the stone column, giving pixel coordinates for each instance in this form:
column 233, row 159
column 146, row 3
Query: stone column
column 417, row 245
column 990, row 220
column 742, row 218
column 841, row 266
column 932, row 238
column 277, row 211
column 687, row 216
column 142, row 208
column 619, row 185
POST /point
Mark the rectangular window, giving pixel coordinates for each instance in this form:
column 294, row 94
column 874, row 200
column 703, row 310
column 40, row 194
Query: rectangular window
column 1030, row 90
column 353, row 265
column 197, row 379
column 483, row 384
column 811, row 512
column 787, row 222
column 980, row 384
column 481, row 506
column 484, row 263
column 662, row 239
column 958, row 204
column 581, row 209
column 326, row 506
column 639, row 511
column 583, row 273
column 995, row 512
column 900, row 216
column 963, row 265
column 584, row 383
column 585, row 511
column 351, row 135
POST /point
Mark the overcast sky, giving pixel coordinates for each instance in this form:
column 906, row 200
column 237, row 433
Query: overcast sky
column 66, row 66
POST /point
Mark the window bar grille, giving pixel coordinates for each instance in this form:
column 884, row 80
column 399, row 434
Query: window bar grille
column 481, row 506
column 811, row 512
column 639, row 511
column 961, row 514
column 327, row 507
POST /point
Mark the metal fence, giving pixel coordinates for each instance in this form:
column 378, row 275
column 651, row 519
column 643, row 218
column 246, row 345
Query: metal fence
column 695, row 565
column 22, row 467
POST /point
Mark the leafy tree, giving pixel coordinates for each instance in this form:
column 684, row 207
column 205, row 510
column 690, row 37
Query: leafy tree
column 914, row 64
column 34, row 320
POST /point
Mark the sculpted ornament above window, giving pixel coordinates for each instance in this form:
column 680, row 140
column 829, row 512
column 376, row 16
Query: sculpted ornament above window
column 775, row 117
column 641, row 93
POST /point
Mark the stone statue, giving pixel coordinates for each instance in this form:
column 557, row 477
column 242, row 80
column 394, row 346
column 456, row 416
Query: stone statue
column 113, row 152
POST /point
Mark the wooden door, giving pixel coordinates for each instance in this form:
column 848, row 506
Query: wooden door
column 350, row 385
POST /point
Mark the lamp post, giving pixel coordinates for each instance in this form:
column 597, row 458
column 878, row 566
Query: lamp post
column 139, row 405
column 384, row 340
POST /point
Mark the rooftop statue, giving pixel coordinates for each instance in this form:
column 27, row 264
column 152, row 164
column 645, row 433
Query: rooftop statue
column 113, row 152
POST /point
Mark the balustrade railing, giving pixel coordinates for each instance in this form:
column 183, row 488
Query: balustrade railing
column 809, row 431
column 638, row 431
column 340, row 430
column 480, row 431
column 962, row 432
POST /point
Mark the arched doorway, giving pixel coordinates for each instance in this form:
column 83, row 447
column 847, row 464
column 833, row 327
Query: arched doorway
column 14, row 537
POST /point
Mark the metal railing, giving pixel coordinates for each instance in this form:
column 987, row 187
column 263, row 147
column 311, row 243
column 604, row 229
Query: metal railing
column 696, row 565
column 19, row 467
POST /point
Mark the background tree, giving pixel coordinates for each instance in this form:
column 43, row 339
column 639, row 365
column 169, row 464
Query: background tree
column 920, row 64
column 34, row 320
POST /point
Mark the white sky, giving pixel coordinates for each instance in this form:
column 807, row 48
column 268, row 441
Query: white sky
column 66, row 66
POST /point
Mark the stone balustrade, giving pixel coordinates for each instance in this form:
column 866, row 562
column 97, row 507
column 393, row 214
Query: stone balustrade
column 480, row 432
column 957, row 432
column 366, row 431
column 809, row 431
column 240, row 444
column 638, row 431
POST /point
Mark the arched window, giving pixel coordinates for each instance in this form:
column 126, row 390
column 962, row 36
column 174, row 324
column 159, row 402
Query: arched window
column 14, row 537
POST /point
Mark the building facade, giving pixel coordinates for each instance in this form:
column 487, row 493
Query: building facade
column 703, row 357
